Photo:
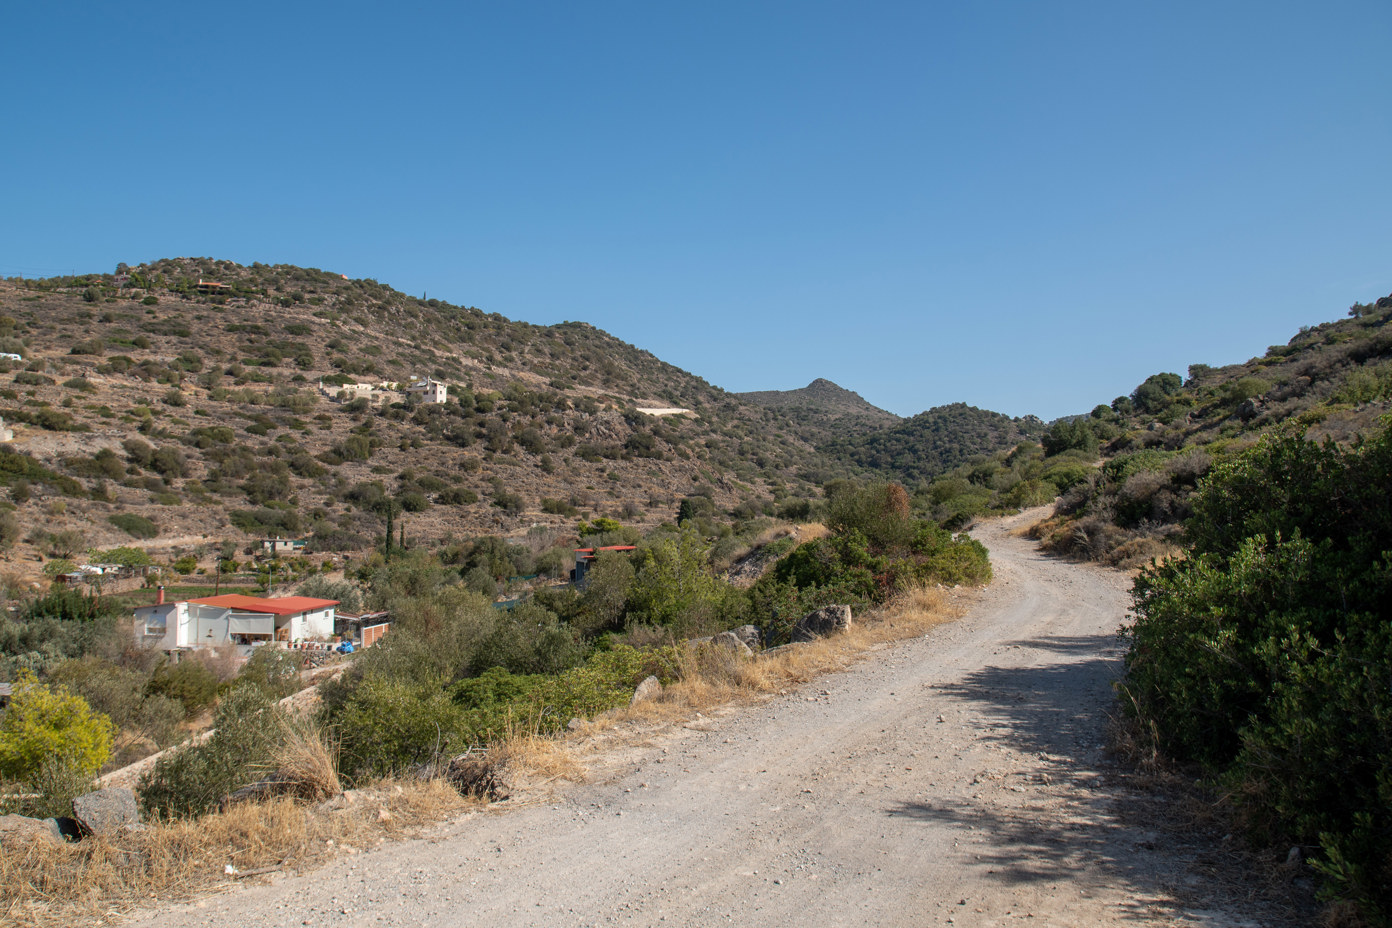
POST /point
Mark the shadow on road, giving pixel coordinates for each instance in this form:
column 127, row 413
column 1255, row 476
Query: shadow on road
column 1056, row 714
column 1058, row 708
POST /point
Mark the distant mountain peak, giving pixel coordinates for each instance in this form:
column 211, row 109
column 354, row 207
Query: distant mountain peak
column 825, row 409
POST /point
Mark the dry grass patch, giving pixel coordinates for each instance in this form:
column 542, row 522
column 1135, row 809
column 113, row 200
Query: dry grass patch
column 536, row 756
column 43, row 884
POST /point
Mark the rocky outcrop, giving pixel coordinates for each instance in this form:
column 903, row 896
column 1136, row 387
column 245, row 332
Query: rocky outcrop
column 826, row 621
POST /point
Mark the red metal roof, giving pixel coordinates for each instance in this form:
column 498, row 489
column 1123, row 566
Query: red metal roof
column 284, row 605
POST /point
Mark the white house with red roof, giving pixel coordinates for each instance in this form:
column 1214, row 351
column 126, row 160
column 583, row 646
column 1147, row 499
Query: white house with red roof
column 233, row 619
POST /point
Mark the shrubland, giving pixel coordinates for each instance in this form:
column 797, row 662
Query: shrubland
column 1264, row 656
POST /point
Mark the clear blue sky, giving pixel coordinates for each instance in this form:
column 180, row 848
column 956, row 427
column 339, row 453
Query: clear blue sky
column 1026, row 206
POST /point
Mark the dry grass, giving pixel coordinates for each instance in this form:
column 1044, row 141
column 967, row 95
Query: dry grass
column 535, row 755
column 307, row 758
column 42, row 884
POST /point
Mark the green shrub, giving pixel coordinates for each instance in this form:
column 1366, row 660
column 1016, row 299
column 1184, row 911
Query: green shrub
column 274, row 672
column 193, row 780
column 529, row 639
column 42, row 723
column 391, row 725
column 413, row 501
column 134, row 525
column 266, row 521
column 1266, row 654
column 190, row 682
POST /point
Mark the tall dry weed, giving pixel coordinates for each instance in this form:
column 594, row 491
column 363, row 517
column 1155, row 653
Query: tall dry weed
column 306, row 758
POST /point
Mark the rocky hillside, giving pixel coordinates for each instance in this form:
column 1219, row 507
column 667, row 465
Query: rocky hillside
column 823, row 411
column 149, row 410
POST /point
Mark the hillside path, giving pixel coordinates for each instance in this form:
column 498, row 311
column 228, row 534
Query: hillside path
column 958, row 778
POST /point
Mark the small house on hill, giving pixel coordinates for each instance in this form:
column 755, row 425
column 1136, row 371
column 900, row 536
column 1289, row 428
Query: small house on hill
column 212, row 286
column 430, row 391
column 279, row 546
column 233, row 619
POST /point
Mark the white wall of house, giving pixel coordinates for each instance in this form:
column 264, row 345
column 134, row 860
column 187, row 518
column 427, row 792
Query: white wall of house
column 191, row 625
column 317, row 623
column 163, row 626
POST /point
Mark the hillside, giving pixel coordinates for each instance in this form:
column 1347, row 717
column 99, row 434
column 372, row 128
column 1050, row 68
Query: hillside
column 932, row 442
column 823, row 411
column 219, row 414
column 1330, row 382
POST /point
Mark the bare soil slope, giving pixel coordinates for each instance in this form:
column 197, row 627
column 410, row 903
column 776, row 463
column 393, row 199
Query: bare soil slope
column 958, row 778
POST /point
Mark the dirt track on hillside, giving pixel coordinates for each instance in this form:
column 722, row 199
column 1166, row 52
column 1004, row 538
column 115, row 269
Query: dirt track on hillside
column 959, row 778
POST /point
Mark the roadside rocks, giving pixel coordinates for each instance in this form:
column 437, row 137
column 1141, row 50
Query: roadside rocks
column 104, row 812
column 648, row 689
column 17, row 830
column 727, row 640
column 731, row 642
column 750, row 635
column 826, row 621
column 107, row 810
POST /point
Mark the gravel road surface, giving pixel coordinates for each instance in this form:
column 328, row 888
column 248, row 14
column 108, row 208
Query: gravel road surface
column 958, row 778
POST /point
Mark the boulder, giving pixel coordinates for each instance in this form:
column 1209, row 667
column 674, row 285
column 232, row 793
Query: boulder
column 731, row 642
column 828, row 620
column 107, row 810
column 646, row 690
column 750, row 635
column 17, row 829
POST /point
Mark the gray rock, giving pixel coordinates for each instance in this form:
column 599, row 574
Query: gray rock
column 749, row 634
column 732, row 642
column 17, row 829
column 828, row 620
column 646, row 690
column 107, row 810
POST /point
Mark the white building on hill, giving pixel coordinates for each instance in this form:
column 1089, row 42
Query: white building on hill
column 233, row 619
column 430, row 391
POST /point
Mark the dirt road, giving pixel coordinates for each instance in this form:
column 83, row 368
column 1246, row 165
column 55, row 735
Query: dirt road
column 953, row 779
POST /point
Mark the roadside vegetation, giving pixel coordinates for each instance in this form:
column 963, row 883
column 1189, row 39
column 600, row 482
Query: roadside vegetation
column 457, row 676
column 1264, row 656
